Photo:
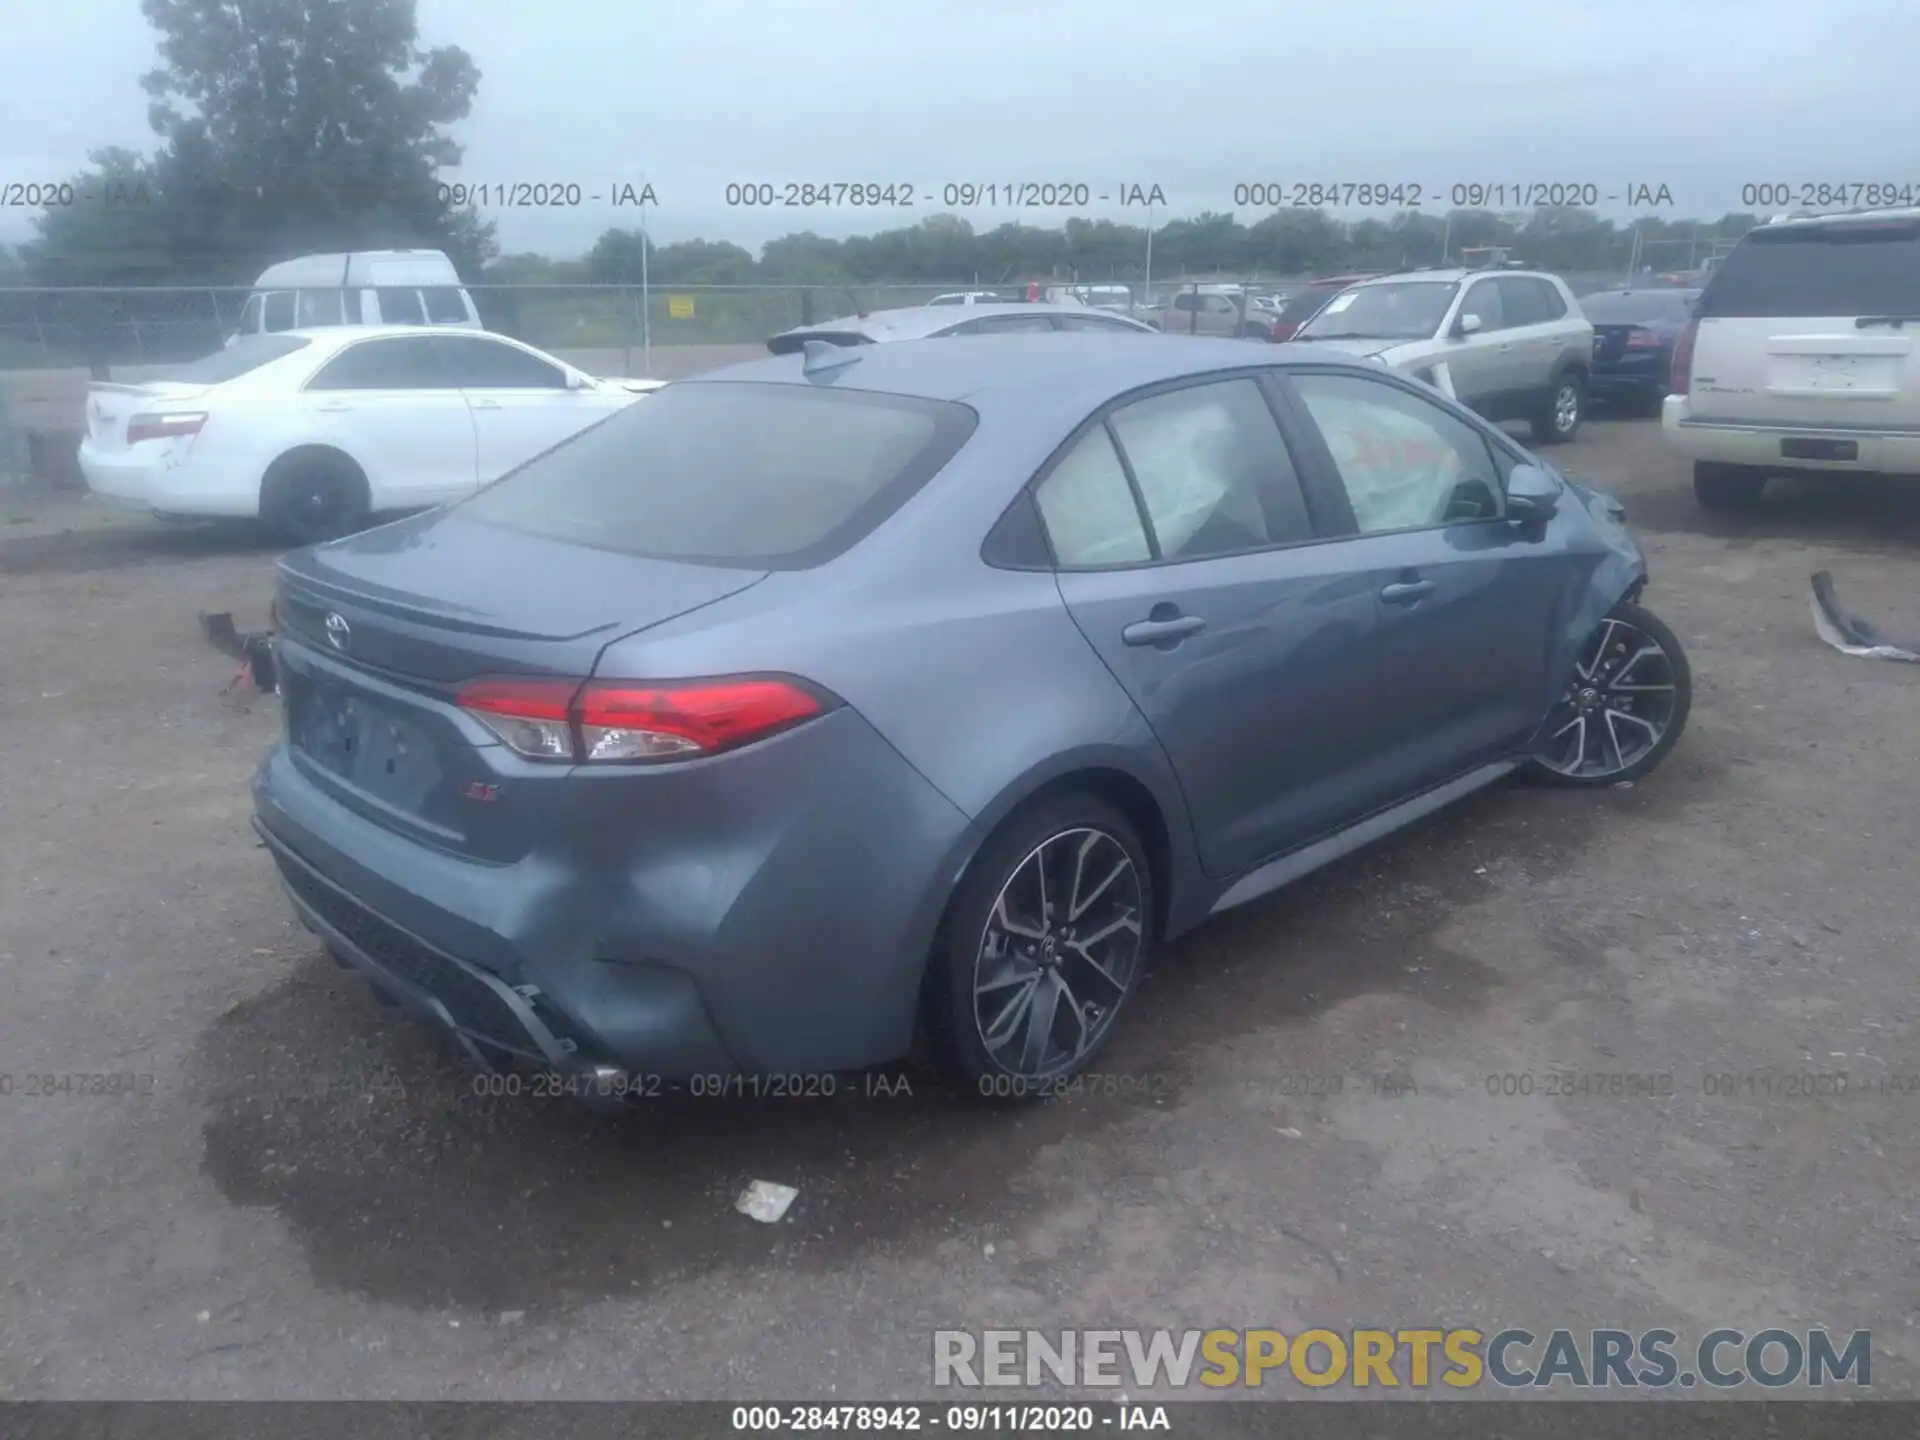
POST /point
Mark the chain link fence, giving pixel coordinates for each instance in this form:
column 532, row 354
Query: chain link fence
column 614, row 327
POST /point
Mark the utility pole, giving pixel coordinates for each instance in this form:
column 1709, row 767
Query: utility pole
column 646, row 298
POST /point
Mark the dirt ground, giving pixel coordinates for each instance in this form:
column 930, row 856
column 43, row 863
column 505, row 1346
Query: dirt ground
column 305, row 1197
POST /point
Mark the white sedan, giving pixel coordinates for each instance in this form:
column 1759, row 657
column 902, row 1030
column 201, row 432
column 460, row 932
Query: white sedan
column 313, row 431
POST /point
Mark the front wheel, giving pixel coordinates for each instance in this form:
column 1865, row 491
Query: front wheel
column 1624, row 707
column 1558, row 420
column 1044, row 942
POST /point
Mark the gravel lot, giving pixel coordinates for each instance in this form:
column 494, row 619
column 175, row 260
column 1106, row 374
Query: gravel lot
column 311, row 1201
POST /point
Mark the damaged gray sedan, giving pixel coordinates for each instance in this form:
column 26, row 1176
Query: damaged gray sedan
column 850, row 697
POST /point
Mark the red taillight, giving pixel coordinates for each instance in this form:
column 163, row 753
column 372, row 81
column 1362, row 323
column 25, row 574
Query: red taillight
column 1682, row 374
column 610, row 720
column 1283, row 330
column 1638, row 339
column 163, row 427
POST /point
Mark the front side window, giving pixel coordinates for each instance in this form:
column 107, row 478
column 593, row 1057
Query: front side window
column 1212, row 470
column 278, row 312
column 1521, row 302
column 1483, row 300
column 1405, row 463
column 445, row 304
column 489, row 365
column 249, row 316
column 1088, row 507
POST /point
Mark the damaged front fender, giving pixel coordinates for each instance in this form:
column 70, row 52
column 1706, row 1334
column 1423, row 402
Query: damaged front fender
column 1608, row 568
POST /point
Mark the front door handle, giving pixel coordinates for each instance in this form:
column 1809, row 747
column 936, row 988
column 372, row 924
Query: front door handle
column 1170, row 631
column 333, row 405
column 1405, row 592
column 484, row 404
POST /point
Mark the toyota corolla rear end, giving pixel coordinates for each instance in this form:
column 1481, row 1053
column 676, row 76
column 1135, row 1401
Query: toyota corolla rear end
column 485, row 803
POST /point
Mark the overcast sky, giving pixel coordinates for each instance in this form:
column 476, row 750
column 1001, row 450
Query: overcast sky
column 1702, row 96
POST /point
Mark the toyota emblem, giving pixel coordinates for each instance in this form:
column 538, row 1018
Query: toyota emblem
column 338, row 631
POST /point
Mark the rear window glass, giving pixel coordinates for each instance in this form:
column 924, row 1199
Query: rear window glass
column 732, row 473
column 445, row 304
column 1637, row 307
column 1854, row 268
column 245, row 355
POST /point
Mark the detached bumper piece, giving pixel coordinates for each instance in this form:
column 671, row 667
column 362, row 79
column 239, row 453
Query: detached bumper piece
column 254, row 650
column 492, row 1021
column 1848, row 633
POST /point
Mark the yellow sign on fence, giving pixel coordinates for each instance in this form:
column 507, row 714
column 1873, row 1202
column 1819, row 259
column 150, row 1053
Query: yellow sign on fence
column 679, row 307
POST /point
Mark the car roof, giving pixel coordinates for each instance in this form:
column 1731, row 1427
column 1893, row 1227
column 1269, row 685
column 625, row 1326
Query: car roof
column 916, row 321
column 1911, row 212
column 1072, row 371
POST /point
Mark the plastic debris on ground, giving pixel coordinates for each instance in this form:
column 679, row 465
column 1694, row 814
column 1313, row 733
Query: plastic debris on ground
column 765, row 1201
column 1848, row 633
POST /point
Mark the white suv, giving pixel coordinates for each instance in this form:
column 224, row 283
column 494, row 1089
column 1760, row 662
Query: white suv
column 1803, row 355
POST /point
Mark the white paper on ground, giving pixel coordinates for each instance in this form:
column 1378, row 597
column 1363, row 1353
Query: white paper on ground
column 765, row 1201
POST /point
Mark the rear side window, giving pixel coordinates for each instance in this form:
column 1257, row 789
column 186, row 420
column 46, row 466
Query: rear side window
column 1863, row 267
column 279, row 312
column 1638, row 307
column 401, row 364
column 1015, row 324
column 733, row 473
column 1088, row 508
column 1094, row 322
column 401, row 307
column 445, row 304
column 245, row 355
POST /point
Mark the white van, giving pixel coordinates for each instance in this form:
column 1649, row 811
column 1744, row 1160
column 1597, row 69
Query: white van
column 364, row 287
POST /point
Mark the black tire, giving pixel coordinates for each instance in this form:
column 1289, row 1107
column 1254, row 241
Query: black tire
column 1727, row 487
column 1558, row 419
column 313, row 496
column 1647, row 675
column 1048, row 829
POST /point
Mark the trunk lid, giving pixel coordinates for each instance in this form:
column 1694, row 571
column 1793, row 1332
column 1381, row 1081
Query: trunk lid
column 379, row 632
column 110, row 406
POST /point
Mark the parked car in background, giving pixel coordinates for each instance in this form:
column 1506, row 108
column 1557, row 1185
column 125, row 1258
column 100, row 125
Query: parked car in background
column 826, row 701
column 1634, row 332
column 925, row 322
column 314, row 431
column 1215, row 310
column 366, row 287
column 1306, row 301
column 1511, row 344
column 1803, row 357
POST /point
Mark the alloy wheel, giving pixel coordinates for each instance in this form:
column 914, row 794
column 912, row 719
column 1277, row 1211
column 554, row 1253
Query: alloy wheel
column 1058, row 954
column 1617, row 707
column 1566, row 407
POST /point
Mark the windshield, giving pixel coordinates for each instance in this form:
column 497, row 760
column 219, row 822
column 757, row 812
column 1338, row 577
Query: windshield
column 768, row 476
column 1403, row 310
column 1637, row 307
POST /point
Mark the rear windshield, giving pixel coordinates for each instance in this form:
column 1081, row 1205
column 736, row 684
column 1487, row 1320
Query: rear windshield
column 732, row 473
column 1637, row 307
column 246, row 354
column 1860, row 267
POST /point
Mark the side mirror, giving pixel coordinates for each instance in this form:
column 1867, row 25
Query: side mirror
column 1532, row 493
column 1466, row 325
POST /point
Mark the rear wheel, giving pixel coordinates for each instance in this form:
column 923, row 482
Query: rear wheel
column 313, row 496
column 1044, row 941
column 1624, row 708
column 1727, row 487
column 1558, row 419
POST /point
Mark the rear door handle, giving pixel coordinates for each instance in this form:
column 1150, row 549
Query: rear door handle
column 332, row 405
column 483, row 404
column 1405, row 592
column 1163, row 632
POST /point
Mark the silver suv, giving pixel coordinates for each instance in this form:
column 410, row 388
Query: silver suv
column 1511, row 344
